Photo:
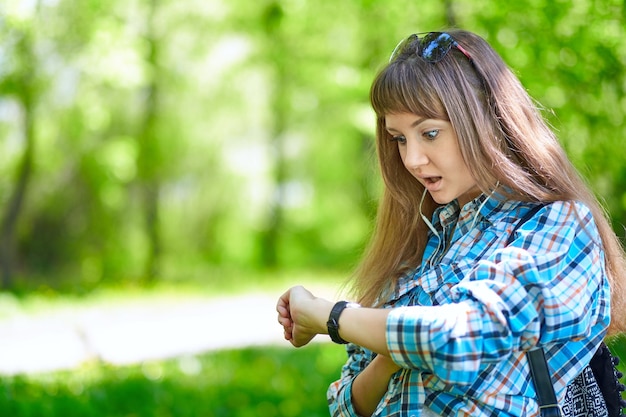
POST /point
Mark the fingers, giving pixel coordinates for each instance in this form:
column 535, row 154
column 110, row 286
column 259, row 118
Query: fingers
column 282, row 308
column 288, row 334
column 284, row 315
column 283, row 311
column 295, row 329
column 284, row 300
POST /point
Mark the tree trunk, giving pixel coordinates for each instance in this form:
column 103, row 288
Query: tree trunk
column 270, row 236
column 149, row 156
column 14, row 206
column 450, row 15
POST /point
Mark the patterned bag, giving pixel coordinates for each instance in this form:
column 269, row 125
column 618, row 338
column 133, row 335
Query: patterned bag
column 597, row 391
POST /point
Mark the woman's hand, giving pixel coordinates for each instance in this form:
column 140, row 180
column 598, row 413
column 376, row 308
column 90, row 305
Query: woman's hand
column 302, row 315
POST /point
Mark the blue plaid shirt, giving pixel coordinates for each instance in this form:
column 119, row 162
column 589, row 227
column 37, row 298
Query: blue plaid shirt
column 461, row 323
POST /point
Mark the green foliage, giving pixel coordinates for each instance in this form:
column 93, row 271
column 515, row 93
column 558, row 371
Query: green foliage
column 239, row 133
column 577, row 71
column 263, row 381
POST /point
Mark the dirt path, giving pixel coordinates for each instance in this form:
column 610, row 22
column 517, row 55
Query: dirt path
column 134, row 333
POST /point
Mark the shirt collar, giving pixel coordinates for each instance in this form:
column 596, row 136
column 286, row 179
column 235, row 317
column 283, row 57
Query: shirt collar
column 496, row 207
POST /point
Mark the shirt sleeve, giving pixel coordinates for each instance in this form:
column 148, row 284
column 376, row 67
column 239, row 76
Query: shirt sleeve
column 548, row 286
column 339, row 393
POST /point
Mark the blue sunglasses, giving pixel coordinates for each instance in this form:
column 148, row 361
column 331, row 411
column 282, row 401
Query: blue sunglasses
column 432, row 48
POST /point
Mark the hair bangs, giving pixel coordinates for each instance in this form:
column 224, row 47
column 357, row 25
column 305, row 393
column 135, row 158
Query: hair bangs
column 402, row 88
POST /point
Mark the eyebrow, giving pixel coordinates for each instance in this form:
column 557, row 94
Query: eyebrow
column 416, row 123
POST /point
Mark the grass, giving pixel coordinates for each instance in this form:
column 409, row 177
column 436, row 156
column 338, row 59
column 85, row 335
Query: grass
column 251, row 382
column 238, row 383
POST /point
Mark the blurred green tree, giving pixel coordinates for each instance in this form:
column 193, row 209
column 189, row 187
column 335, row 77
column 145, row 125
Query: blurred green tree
column 22, row 82
column 158, row 139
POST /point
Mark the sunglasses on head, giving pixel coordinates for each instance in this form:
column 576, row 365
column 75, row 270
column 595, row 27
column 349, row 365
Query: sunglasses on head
column 432, row 48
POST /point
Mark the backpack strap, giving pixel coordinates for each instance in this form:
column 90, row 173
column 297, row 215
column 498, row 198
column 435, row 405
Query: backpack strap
column 546, row 397
column 529, row 215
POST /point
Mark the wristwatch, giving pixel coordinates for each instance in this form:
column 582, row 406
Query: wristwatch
column 333, row 320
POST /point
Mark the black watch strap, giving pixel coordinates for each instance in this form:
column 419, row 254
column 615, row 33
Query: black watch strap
column 333, row 321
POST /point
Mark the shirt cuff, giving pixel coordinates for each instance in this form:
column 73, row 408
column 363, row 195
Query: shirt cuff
column 341, row 404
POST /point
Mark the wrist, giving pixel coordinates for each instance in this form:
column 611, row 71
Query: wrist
column 323, row 309
column 332, row 324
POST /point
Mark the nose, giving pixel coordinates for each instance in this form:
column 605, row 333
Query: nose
column 414, row 156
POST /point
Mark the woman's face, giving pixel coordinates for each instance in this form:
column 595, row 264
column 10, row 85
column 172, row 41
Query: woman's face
column 430, row 151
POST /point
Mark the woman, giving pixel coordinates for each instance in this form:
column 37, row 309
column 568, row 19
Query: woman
column 449, row 307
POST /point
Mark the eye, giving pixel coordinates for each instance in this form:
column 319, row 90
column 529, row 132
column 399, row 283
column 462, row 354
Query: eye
column 431, row 134
column 400, row 139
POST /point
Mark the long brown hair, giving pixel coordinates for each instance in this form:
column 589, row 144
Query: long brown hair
column 503, row 139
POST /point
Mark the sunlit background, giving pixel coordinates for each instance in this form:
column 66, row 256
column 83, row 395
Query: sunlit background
column 169, row 167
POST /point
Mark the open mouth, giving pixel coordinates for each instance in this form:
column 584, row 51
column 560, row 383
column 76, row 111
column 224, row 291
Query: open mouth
column 432, row 184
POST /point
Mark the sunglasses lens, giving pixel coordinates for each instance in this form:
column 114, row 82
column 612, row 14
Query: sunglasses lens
column 402, row 46
column 435, row 46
